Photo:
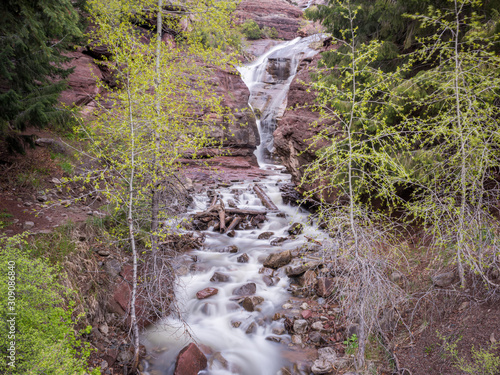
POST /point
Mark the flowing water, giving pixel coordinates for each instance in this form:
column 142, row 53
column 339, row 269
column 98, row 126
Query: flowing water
column 240, row 341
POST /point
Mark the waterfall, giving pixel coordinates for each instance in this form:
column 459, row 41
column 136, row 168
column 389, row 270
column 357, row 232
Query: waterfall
column 237, row 341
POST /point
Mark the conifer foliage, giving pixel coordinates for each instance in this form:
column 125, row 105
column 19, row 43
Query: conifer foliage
column 33, row 37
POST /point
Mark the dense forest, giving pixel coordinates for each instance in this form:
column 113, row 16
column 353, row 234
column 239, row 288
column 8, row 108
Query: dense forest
column 411, row 90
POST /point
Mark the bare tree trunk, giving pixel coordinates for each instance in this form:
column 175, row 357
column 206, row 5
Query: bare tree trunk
column 130, row 219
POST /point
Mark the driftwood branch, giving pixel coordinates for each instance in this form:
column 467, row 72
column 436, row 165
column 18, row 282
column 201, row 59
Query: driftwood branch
column 234, row 223
column 266, row 201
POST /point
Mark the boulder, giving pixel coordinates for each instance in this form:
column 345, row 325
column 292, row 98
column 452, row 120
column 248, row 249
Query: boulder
column 245, row 290
column 249, row 303
column 265, row 235
column 278, row 260
column 300, row 326
column 444, row 280
column 190, row 361
column 243, row 258
column 324, row 287
column 207, row 292
column 219, row 277
column 295, row 229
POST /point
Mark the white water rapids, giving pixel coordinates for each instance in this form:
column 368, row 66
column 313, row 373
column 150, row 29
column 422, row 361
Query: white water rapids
column 213, row 322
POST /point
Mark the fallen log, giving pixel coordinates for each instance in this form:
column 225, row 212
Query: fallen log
column 234, row 223
column 239, row 211
column 266, row 201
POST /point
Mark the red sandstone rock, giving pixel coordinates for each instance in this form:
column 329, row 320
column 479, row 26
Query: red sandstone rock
column 207, row 292
column 82, row 82
column 190, row 361
column 280, row 14
column 306, row 314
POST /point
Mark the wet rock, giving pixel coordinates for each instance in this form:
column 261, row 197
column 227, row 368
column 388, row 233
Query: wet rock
column 265, row 235
column 236, row 324
column 190, row 361
column 243, row 258
column 277, row 260
column 324, row 287
column 266, row 271
column 245, row 290
column 300, row 326
column 231, row 233
column 252, row 328
column 231, row 203
column 295, row 229
column 278, row 241
column 250, row 303
column 219, row 358
column 207, row 292
column 274, row 339
column 287, row 306
column 219, row 277
column 279, row 330
column 444, row 280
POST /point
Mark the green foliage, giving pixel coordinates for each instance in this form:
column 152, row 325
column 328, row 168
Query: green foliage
column 34, row 35
column 351, row 344
column 484, row 361
column 54, row 246
column 251, row 30
column 45, row 337
column 5, row 219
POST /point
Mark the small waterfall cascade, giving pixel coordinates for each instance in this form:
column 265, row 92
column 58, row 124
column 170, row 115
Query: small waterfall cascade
column 268, row 78
column 235, row 339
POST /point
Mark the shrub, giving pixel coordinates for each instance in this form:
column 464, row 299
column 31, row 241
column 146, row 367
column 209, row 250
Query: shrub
column 43, row 330
column 251, row 30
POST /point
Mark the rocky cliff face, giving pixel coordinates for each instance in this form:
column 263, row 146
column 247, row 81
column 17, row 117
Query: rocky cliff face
column 299, row 124
column 280, row 14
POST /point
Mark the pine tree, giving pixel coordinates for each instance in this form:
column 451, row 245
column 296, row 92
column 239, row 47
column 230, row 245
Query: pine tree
column 33, row 37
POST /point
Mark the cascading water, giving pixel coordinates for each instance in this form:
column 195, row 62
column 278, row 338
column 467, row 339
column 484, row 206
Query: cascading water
column 238, row 341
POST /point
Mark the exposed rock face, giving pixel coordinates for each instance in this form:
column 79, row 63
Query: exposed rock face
column 242, row 132
column 292, row 137
column 280, row 14
column 82, row 82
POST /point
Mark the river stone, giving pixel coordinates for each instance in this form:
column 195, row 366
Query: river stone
column 243, row 258
column 245, row 290
column 317, row 338
column 280, row 330
column 296, row 229
column 321, row 366
column 190, row 361
column 252, row 328
column 236, row 324
column 296, row 339
column 306, row 314
column 219, row 277
column 300, row 326
column 265, row 235
column 444, row 280
column 231, row 233
column 207, row 292
column 268, row 280
column 230, row 249
column 278, row 241
column 249, row 303
column 266, row 271
column 278, row 260
column 219, row 358
column 317, row 326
